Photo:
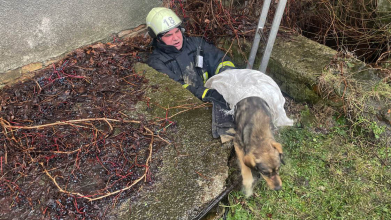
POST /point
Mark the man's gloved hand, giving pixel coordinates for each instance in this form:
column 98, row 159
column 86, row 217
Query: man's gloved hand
column 221, row 121
column 215, row 97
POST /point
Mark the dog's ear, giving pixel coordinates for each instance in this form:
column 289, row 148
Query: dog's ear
column 249, row 160
column 278, row 147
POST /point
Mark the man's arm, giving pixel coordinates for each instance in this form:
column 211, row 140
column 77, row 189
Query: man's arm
column 160, row 66
column 218, row 60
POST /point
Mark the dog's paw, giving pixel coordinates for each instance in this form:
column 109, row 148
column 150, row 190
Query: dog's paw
column 248, row 187
column 248, row 182
column 248, row 192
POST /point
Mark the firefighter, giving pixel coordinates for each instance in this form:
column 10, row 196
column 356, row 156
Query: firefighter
column 189, row 61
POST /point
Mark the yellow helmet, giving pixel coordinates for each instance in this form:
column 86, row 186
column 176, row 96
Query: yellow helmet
column 161, row 20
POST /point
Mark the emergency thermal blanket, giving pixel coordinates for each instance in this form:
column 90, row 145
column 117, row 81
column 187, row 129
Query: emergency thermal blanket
column 237, row 84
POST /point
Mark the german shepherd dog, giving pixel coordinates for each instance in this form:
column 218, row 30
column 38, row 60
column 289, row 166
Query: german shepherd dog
column 254, row 144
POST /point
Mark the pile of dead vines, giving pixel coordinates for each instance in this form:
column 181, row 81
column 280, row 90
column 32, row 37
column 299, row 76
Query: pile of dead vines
column 358, row 27
column 354, row 27
column 67, row 139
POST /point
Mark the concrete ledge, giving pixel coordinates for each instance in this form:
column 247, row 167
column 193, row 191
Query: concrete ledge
column 195, row 166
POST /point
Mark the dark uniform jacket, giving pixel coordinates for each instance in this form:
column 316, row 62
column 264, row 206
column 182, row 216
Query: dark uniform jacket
column 179, row 65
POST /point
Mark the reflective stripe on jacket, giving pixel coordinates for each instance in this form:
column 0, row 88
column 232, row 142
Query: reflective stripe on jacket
column 179, row 65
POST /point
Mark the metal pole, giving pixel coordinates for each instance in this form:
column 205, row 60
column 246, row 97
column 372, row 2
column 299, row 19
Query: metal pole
column 272, row 35
column 215, row 201
column 258, row 32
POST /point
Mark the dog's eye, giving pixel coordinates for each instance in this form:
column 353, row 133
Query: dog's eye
column 265, row 173
column 261, row 169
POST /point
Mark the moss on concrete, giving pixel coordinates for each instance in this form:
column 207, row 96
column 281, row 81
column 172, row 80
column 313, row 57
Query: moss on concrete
column 295, row 64
column 194, row 168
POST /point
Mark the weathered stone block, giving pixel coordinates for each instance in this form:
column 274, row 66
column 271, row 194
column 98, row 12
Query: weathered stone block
column 31, row 67
column 10, row 76
column 132, row 32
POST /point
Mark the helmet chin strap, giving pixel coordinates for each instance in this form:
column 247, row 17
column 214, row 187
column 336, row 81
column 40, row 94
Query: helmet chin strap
column 159, row 38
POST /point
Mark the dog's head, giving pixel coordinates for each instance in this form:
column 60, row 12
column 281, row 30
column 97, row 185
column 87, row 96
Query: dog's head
column 266, row 160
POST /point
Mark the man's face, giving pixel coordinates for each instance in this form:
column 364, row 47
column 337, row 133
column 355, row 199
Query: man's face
column 173, row 38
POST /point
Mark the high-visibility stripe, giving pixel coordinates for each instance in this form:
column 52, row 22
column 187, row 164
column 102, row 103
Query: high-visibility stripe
column 223, row 64
column 185, row 85
column 206, row 76
column 203, row 94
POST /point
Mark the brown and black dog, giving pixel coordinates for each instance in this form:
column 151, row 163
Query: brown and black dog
column 254, row 144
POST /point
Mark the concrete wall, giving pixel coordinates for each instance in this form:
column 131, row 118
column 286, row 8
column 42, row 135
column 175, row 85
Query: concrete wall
column 35, row 30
